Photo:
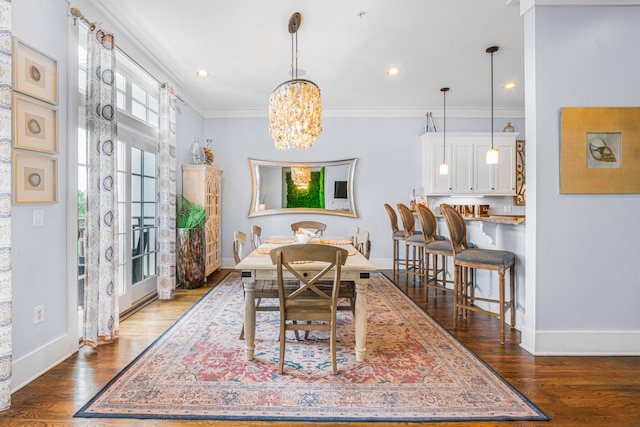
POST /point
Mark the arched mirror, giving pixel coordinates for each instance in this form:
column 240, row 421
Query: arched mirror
column 314, row 187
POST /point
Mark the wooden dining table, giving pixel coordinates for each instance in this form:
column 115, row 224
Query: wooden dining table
column 258, row 266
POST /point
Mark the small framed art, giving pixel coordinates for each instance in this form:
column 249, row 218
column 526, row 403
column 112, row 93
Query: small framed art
column 35, row 178
column 34, row 73
column 600, row 150
column 35, row 124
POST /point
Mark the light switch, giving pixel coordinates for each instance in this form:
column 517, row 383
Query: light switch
column 38, row 217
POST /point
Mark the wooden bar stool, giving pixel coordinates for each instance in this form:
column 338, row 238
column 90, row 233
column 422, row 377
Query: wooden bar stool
column 413, row 239
column 397, row 235
column 436, row 246
column 465, row 258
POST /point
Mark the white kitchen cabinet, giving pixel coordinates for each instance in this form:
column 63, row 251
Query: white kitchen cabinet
column 468, row 172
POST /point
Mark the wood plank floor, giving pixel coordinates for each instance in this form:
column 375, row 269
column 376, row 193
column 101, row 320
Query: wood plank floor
column 573, row 391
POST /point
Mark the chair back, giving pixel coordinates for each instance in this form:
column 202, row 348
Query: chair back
column 289, row 257
column 353, row 232
column 408, row 220
column 256, row 232
column 315, row 226
column 239, row 242
column 393, row 218
column 363, row 244
column 428, row 223
column 457, row 228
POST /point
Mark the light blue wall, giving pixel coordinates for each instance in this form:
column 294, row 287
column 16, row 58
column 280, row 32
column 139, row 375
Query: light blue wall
column 586, row 257
column 39, row 261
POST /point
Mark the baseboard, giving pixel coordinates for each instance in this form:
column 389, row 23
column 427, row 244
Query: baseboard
column 579, row 343
column 39, row 361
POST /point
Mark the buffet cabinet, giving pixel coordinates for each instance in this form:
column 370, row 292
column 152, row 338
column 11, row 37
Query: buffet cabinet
column 468, row 171
column 201, row 185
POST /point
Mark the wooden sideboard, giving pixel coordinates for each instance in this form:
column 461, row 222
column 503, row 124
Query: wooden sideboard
column 201, row 185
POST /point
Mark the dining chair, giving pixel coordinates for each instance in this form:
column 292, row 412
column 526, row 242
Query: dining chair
column 466, row 257
column 351, row 234
column 308, row 308
column 315, row 226
column 413, row 240
column 397, row 235
column 363, row 244
column 436, row 246
column 264, row 289
column 256, row 232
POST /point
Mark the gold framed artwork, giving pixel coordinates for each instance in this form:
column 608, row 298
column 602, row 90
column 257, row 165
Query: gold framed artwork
column 35, row 178
column 34, row 73
column 35, row 124
column 600, row 150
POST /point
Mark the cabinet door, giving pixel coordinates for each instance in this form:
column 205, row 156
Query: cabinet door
column 495, row 179
column 441, row 184
column 505, row 171
column 484, row 173
column 461, row 168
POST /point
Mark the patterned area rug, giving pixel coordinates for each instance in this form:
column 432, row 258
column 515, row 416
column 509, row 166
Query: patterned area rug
column 414, row 370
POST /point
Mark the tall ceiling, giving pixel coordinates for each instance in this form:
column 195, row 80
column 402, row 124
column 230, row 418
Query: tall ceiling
column 344, row 46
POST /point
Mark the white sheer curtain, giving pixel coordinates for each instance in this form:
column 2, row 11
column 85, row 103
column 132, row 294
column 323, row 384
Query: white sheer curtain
column 167, row 194
column 101, row 316
column 5, row 206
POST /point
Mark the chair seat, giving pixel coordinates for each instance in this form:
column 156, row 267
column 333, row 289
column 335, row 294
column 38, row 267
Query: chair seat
column 399, row 235
column 440, row 247
column 416, row 239
column 486, row 256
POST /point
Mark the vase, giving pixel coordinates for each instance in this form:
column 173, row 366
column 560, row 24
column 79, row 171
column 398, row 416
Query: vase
column 190, row 259
column 197, row 153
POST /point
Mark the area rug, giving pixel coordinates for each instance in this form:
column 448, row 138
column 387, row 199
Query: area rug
column 415, row 371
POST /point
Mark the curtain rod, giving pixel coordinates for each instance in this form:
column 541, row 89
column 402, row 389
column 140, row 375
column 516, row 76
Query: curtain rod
column 75, row 12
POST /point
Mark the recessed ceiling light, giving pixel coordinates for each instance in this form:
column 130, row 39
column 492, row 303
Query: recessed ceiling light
column 202, row 73
column 393, row 71
column 509, row 85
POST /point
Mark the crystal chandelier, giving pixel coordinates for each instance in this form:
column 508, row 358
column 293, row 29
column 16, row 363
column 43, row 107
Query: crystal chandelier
column 301, row 177
column 295, row 109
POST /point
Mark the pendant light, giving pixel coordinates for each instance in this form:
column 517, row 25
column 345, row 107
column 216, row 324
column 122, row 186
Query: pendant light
column 444, row 167
column 295, row 109
column 492, row 156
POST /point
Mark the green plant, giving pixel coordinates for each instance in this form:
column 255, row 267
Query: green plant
column 189, row 215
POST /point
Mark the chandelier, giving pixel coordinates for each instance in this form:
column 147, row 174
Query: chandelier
column 295, row 109
column 301, row 177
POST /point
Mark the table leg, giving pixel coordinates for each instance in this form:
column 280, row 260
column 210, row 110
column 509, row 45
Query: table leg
column 249, row 316
column 361, row 319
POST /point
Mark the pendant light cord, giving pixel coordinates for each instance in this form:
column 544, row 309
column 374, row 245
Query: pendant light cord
column 492, row 100
column 444, row 127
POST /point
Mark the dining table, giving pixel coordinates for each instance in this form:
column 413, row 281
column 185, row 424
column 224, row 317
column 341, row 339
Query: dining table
column 258, row 266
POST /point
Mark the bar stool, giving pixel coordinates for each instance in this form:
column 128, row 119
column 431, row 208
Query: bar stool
column 436, row 246
column 397, row 235
column 413, row 239
column 466, row 257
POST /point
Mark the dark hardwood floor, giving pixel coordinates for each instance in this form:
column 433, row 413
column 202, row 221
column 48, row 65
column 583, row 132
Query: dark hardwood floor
column 572, row 391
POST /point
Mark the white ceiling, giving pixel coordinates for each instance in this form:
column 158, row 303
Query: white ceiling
column 246, row 47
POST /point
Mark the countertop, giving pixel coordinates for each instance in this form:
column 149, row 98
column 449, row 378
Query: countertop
column 497, row 219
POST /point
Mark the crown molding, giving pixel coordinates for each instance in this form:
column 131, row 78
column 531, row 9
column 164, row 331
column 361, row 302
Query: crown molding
column 526, row 5
column 516, row 113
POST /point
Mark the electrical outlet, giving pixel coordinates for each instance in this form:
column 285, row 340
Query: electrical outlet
column 38, row 314
column 507, row 209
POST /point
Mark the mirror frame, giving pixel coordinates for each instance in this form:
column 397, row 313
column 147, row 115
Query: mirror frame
column 254, row 164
